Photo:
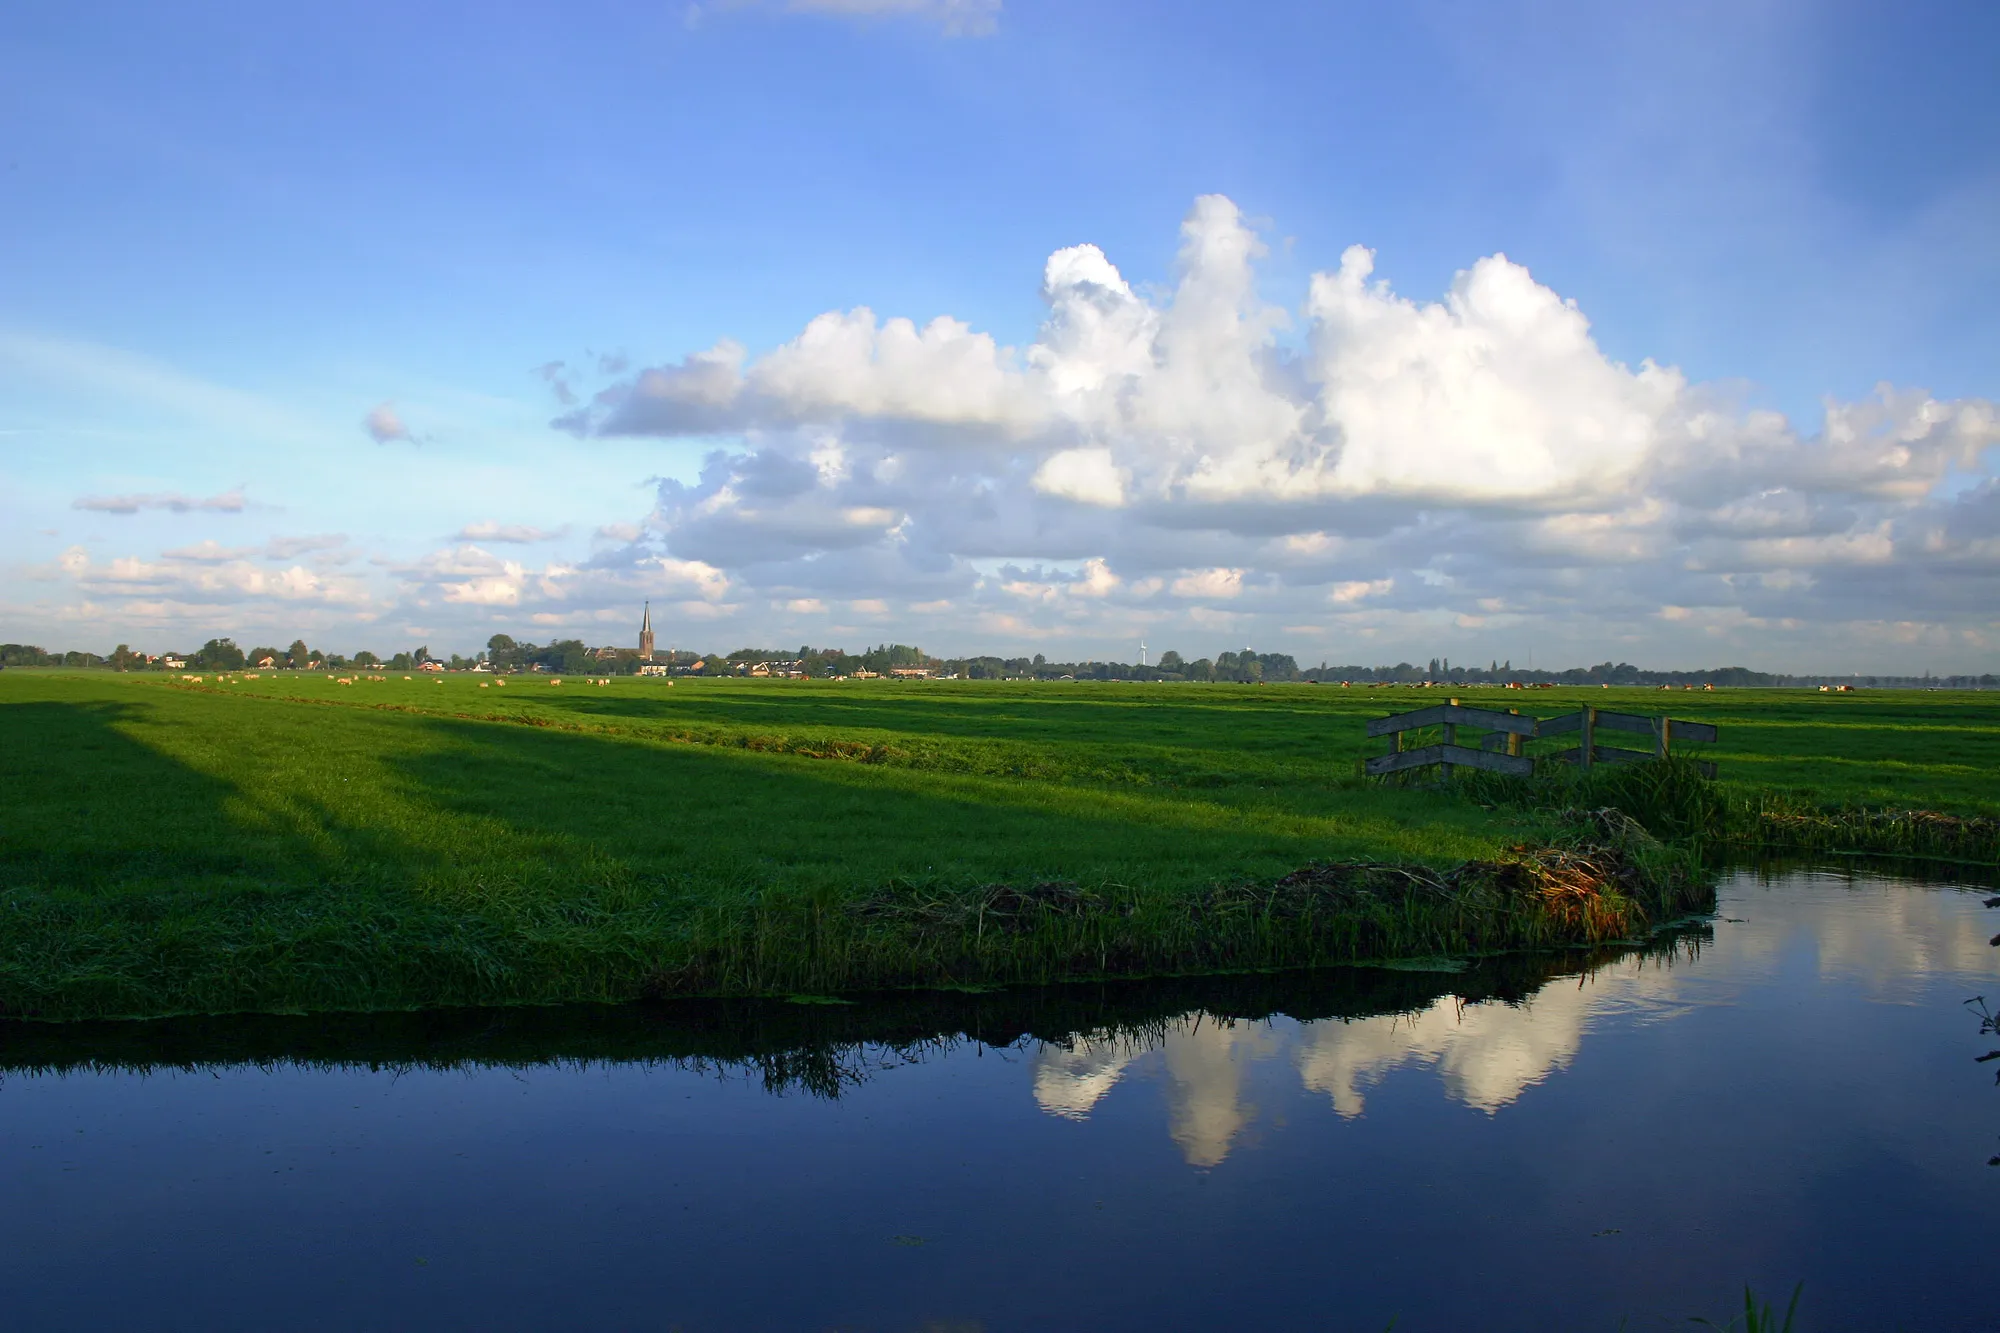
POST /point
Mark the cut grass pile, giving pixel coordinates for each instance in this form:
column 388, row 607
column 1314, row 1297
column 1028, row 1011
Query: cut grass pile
column 292, row 844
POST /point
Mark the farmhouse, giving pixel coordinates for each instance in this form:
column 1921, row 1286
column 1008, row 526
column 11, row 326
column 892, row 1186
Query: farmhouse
column 793, row 669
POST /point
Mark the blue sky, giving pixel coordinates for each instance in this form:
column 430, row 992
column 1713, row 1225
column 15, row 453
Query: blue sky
column 235, row 238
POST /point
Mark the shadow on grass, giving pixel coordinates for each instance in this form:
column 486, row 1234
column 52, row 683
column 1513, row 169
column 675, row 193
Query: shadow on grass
column 673, row 808
column 1123, row 734
column 88, row 806
column 85, row 803
column 190, row 856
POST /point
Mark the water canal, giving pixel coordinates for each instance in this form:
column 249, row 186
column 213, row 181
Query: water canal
column 1789, row 1094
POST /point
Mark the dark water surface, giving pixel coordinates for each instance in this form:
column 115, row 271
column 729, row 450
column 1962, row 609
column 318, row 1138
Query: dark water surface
column 1530, row 1144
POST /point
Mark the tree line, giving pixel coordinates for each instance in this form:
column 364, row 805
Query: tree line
column 217, row 655
column 1246, row 666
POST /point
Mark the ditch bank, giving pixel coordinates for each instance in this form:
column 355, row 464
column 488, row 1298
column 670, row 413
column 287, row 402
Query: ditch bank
column 1599, row 879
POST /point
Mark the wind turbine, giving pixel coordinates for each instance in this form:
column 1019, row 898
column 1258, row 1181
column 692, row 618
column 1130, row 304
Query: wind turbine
column 1142, row 652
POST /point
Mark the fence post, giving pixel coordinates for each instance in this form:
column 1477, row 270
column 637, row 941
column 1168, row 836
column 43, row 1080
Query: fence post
column 1450, row 738
column 1589, row 732
column 1663, row 731
column 1514, row 737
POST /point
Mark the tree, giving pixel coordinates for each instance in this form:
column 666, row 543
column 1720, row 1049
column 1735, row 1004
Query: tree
column 257, row 656
column 298, row 654
column 219, row 655
column 400, row 662
column 124, row 659
column 364, row 658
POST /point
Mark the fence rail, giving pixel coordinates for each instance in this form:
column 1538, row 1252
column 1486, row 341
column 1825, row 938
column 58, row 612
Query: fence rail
column 1500, row 750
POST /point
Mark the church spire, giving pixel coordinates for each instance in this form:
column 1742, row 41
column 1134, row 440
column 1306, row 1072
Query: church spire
column 646, row 634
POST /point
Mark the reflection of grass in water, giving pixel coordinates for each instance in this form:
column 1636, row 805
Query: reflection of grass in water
column 1989, row 1025
column 817, row 1049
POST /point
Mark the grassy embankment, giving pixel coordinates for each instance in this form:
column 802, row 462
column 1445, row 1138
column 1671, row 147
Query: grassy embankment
column 293, row 844
column 820, row 1048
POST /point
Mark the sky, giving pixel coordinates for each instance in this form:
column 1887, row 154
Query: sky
column 1546, row 332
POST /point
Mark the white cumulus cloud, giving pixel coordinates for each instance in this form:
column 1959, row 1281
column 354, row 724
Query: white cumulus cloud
column 1379, row 470
column 1189, row 457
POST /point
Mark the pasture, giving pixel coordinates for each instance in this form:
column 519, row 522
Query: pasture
column 292, row 842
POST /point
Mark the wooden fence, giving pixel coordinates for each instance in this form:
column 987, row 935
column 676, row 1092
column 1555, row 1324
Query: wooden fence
column 1500, row 749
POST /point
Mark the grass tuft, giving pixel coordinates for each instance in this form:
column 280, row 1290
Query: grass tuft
column 1758, row 1318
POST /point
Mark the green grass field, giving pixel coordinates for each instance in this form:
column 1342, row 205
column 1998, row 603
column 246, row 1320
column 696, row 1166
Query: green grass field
column 292, row 842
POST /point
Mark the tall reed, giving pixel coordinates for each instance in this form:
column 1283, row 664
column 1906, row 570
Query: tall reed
column 1793, row 822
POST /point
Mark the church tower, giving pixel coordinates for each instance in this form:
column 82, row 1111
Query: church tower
column 646, row 635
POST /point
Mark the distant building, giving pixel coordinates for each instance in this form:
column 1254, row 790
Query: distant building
column 654, row 669
column 912, row 673
column 646, row 635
